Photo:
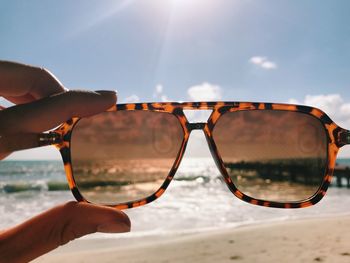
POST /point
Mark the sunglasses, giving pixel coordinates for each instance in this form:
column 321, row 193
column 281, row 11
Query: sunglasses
column 273, row 155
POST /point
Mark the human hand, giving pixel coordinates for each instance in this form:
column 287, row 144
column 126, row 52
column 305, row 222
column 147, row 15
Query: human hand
column 41, row 104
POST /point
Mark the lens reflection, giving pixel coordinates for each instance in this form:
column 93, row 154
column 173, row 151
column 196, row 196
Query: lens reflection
column 124, row 156
column 273, row 155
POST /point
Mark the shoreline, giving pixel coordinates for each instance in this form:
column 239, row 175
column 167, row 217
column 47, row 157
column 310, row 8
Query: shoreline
column 301, row 240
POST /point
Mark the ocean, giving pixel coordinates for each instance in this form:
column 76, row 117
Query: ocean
column 196, row 200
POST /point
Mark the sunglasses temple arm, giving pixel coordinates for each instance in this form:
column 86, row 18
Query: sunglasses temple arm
column 16, row 142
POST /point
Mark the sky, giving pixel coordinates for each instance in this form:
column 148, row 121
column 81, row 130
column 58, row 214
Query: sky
column 180, row 50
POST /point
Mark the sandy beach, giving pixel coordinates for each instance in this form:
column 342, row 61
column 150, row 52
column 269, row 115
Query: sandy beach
column 306, row 240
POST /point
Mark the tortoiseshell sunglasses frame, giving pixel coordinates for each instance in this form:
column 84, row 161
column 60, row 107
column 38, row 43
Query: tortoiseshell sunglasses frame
column 336, row 136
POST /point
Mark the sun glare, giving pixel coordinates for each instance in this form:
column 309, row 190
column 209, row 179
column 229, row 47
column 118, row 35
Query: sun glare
column 190, row 8
column 188, row 4
column 183, row 2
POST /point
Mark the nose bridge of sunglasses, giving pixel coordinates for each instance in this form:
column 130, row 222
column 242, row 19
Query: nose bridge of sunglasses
column 197, row 120
column 197, row 115
column 196, row 126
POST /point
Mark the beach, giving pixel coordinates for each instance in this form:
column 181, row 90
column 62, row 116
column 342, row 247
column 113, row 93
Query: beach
column 301, row 240
column 197, row 219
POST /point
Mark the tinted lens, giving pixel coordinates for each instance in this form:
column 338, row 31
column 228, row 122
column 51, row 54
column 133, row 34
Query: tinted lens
column 124, row 156
column 273, row 155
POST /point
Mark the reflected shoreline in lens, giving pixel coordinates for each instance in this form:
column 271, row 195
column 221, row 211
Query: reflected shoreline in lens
column 122, row 180
column 277, row 180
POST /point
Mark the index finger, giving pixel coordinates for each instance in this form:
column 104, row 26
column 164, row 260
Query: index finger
column 46, row 113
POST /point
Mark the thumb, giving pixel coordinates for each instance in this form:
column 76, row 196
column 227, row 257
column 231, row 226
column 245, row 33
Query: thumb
column 57, row 227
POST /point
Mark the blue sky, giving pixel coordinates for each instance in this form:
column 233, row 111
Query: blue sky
column 278, row 51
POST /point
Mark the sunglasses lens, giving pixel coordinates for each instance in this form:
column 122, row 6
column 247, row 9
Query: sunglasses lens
column 124, row 156
column 273, row 155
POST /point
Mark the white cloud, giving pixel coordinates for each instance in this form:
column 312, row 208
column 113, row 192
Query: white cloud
column 159, row 93
column 269, row 65
column 293, row 101
column 257, row 60
column 132, row 99
column 159, row 88
column 204, row 92
column 263, row 62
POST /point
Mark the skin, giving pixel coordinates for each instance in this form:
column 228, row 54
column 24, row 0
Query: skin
column 42, row 103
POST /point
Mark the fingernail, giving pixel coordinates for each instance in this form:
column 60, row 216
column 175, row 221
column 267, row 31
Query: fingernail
column 117, row 227
column 109, row 95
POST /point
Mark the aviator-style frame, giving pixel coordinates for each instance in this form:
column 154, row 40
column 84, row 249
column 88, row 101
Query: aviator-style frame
column 336, row 136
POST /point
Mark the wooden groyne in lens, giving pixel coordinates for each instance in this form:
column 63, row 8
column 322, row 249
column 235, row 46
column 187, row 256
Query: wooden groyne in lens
column 340, row 172
column 294, row 171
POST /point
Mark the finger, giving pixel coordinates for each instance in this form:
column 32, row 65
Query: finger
column 58, row 226
column 51, row 111
column 17, row 80
column 15, row 142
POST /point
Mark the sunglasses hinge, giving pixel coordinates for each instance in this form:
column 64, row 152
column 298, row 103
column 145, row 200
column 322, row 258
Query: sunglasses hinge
column 196, row 126
column 49, row 138
column 344, row 137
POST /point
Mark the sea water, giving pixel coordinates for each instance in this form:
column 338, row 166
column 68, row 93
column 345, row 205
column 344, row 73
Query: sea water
column 196, row 199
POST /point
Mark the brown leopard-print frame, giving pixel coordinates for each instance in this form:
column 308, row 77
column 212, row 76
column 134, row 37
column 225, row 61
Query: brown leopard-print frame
column 337, row 137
